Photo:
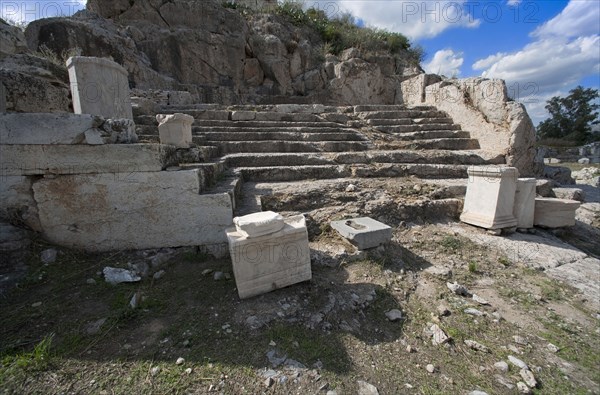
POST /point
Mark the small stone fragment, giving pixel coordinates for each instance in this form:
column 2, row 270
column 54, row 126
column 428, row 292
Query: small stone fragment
column 472, row 311
column 135, row 300
column 443, row 310
column 528, row 378
column 394, row 315
column 158, row 275
column 36, row 304
column 154, row 371
column 188, row 371
column 206, row 272
column 269, row 382
column 430, row 368
column 114, row 275
column 179, row 361
column 476, row 346
column 365, row 388
column 458, row 289
column 520, row 340
column 480, row 300
column 477, row 392
column 504, row 381
column 48, row 256
column 218, row 276
column 351, row 188
column 553, row 348
column 90, row 281
column 523, row 388
column 494, row 232
column 409, row 349
column 438, row 335
column 517, row 362
column 501, row 366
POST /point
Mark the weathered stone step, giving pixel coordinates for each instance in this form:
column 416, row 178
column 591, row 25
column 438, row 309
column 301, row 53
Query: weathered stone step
column 437, row 144
column 146, row 120
column 241, row 129
column 295, row 173
column 287, row 146
column 402, row 114
column 364, row 157
column 389, row 107
column 417, row 128
column 431, row 134
column 209, row 173
column 408, row 121
column 275, row 135
column 225, row 115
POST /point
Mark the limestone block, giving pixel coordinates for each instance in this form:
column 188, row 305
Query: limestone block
column 118, row 211
column 555, row 213
column 259, row 224
column 99, row 87
column 490, row 197
column 243, row 115
column 570, row 194
column 175, row 129
column 17, row 160
column 363, row 232
column 525, row 202
column 52, row 128
column 272, row 261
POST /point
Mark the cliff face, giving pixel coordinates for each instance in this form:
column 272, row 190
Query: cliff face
column 218, row 54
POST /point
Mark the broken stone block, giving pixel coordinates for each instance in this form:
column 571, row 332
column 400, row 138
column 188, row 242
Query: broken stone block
column 555, row 213
column 139, row 210
column 17, row 160
column 364, row 232
column 265, row 263
column 40, row 128
column 243, row 115
column 524, row 207
column 16, row 195
column 175, row 129
column 570, row 194
column 99, row 87
column 259, row 224
column 490, row 197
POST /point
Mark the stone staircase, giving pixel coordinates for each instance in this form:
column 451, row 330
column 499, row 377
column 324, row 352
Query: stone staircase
column 270, row 144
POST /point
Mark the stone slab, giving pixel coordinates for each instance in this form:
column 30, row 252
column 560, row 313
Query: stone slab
column 490, row 197
column 364, row 232
column 17, row 160
column 259, row 224
column 524, row 207
column 570, row 194
column 555, row 213
column 99, row 87
column 16, row 198
column 270, row 262
column 119, row 211
column 52, row 128
column 243, row 115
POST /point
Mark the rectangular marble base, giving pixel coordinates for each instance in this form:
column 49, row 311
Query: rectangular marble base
column 555, row 213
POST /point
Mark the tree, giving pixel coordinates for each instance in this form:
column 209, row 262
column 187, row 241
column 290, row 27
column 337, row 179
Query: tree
column 571, row 117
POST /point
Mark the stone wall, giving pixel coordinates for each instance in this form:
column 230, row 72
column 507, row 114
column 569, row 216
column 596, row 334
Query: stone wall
column 482, row 107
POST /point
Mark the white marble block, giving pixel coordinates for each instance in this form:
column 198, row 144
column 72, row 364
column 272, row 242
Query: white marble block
column 175, row 129
column 490, row 197
column 555, row 213
column 269, row 262
column 363, row 232
column 99, row 87
column 525, row 202
column 259, row 224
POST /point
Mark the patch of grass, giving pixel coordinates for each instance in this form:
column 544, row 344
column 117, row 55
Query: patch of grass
column 58, row 59
column 452, row 243
column 504, row 261
column 38, row 359
column 472, row 267
column 551, row 290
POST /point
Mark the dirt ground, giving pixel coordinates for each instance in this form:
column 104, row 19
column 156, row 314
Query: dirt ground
column 65, row 330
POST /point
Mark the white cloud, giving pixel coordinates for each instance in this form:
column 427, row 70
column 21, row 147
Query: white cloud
column 555, row 62
column 414, row 19
column 578, row 18
column 513, row 3
column 445, row 62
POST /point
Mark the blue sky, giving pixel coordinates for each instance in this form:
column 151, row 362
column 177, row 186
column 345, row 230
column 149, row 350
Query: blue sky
column 542, row 48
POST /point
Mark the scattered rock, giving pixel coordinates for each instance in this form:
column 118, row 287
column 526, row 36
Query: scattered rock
column 188, row 371
column 154, row 371
column 438, row 335
column 439, row 271
column 161, row 258
column 477, row 392
column 269, row 382
column 443, row 310
column 480, row 300
column 48, row 256
column 501, row 366
column 409, row 349
column 458, row 289
column 217, row 276
column 90, row 281
column 520, row 340
column 180, row 361
column 504, row 381
column 430, row 368
column 523, row 388
column 517, row 362
column 528, row 378
column 494, row 232
column 553, row 348
column 570, row 193
column 141, row 268
column 351, row 188
column 158, row 275
column 472, row 311
column 274, row 359
column 476, row 346
column 206, row 272
column 36, row 304
column 394, row 315
column 94, row 327
column 135, row 300
column 332, row 392
column 114, row 275
column 365, row 388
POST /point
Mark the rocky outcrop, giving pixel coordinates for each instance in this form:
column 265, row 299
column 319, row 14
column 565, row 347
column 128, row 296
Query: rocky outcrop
column 12, row 39
column 482, row 107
